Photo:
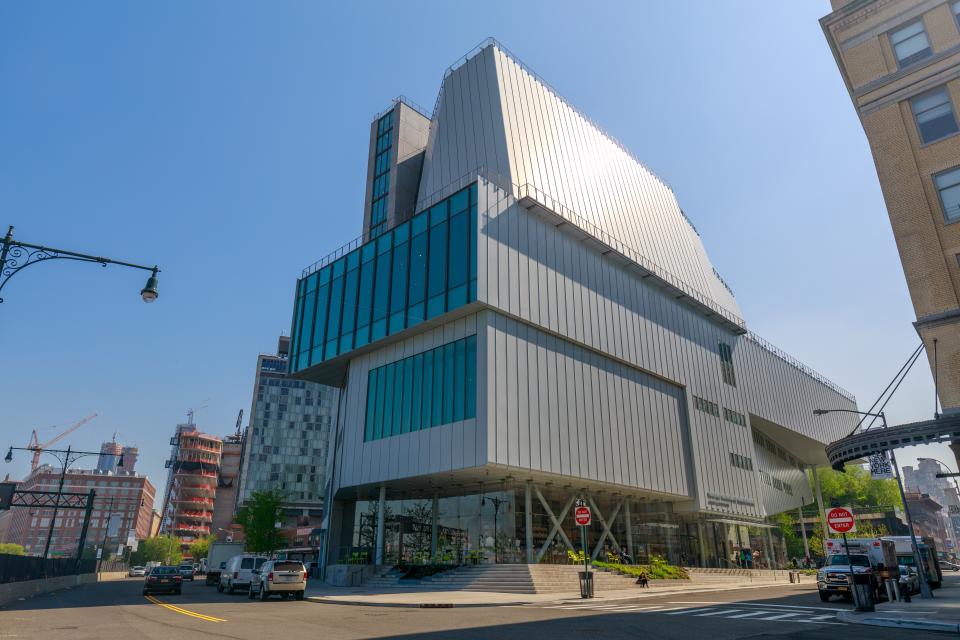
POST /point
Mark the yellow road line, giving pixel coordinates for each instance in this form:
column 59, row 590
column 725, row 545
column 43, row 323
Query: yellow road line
column 185, row 612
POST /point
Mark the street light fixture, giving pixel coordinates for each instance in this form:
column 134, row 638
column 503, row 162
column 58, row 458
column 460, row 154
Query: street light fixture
column 16, row 255
column 925, row 591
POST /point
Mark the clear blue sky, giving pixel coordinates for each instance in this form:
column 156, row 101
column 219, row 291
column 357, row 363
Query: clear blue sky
column 226, row 142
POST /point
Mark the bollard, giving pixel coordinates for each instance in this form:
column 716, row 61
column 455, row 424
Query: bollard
column 891, row 586
column 896, row 589
column 792, row 578
column 863, row 592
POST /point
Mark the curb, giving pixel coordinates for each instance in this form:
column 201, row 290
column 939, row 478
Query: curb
column 898, row 623
column 517, row 603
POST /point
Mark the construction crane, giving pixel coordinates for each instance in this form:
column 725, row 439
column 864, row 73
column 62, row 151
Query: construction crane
column 239, row 421
column 191, row 412
column 38, row 448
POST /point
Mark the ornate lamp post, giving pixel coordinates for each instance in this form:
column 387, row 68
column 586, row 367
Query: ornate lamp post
column 16, row 255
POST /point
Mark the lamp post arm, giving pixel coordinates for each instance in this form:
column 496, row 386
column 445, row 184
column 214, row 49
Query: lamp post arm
column 16, row 255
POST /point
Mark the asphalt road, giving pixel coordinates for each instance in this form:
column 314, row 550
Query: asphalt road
column 117, row 610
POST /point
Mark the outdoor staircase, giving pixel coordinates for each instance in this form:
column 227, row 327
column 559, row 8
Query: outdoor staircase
column 504, row 578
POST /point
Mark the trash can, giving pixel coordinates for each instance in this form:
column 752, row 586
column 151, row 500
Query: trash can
column 586, row 584
column 863, row 591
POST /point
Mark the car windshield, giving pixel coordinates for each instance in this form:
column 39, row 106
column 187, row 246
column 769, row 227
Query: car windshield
column 856, row 560
column 287, row 566
column 246, row 563
column 138, row 568
column 186, row 566
column 163, row 571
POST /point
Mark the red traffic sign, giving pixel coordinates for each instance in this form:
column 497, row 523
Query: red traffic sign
column 840, row 520
column 582, row 516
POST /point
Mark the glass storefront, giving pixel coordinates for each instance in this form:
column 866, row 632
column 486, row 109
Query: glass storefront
column 488, row 526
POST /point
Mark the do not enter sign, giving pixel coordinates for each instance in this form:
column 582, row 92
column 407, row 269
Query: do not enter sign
column 840, row 520
column 582, row 516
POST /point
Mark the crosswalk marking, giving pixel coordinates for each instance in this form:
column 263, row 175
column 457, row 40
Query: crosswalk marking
column 782, row 616
column 733, row 611
column 719, row 612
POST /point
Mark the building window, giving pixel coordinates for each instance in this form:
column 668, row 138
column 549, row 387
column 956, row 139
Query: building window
column 741, row 462
column 948, row 186
column 706, row 406
column 736, row 418
column 418, row 270
column 425, row 390
column 380, row 188
column 933, row 112
column 910, row 44
column 726, row 364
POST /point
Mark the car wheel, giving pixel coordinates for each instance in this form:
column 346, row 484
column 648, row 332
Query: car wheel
column 824, row 597
column 145, row 592
column 263, row 594
column 220, row 587
column 299, row 595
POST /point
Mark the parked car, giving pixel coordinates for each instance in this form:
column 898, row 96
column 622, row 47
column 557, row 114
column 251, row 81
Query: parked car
column 909, row 579
column 137, row 571
column 282, row 577
column 186, row 571
column 163, row 579
column 949, row 566
column 238, row 573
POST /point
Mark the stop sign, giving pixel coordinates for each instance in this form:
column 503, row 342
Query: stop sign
column 840, row 520
column 582, row 516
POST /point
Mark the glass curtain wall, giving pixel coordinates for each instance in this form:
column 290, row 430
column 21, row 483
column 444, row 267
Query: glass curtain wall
column 414, row 272
column 425, row 390
column 381, row 175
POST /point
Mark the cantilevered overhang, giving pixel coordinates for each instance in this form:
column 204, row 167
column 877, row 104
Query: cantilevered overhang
column 536, row 201
column 807, row 450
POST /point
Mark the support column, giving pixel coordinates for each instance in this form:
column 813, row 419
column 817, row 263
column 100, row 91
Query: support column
column 771, row 556
column 381, row 509
column 702, row 540
column 816, row 486
column 629, row 526
column 803, row 532
column 434, row 526
column 528, row 519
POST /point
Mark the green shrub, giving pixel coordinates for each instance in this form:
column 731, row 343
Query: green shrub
column 658, row 569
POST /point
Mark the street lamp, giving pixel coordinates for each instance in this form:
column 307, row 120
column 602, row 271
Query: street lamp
column 16, row 255
column 69, row 456
column 925, row 591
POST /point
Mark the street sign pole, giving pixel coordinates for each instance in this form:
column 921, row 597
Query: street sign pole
column 853, row 589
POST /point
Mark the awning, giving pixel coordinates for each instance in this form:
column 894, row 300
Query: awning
column 741, row 523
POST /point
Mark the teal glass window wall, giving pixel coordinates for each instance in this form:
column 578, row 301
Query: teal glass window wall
column 425, row 390
column 381, row 175
column 416, row 271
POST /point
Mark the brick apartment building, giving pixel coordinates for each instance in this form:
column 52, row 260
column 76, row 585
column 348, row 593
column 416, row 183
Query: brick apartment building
column 122, row 509
column 900, row 60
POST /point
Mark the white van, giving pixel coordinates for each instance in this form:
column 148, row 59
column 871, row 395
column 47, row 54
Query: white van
column 239, row 572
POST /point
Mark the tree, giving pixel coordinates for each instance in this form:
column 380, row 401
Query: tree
column 258, row 518
column 12, row 549
column 163, row 549
column 200, row 548
column 855, row 488
column 793, row 540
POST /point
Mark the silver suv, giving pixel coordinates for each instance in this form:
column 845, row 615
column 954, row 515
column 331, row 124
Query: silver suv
column 281, row 577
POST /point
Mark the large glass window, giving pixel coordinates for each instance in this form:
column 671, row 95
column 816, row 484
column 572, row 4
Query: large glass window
column 381, row 175
column 948, row 185
column 425, row 390
column 726, row 364
column 418, row 270
column 933, row 112
column 910, row 43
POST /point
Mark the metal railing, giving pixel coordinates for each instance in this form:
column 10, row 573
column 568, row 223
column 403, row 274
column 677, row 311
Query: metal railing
column 404, row 100
column 783, row 355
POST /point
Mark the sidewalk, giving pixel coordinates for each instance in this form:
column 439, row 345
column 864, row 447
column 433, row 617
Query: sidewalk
column 942, row 613
column 418, row 598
